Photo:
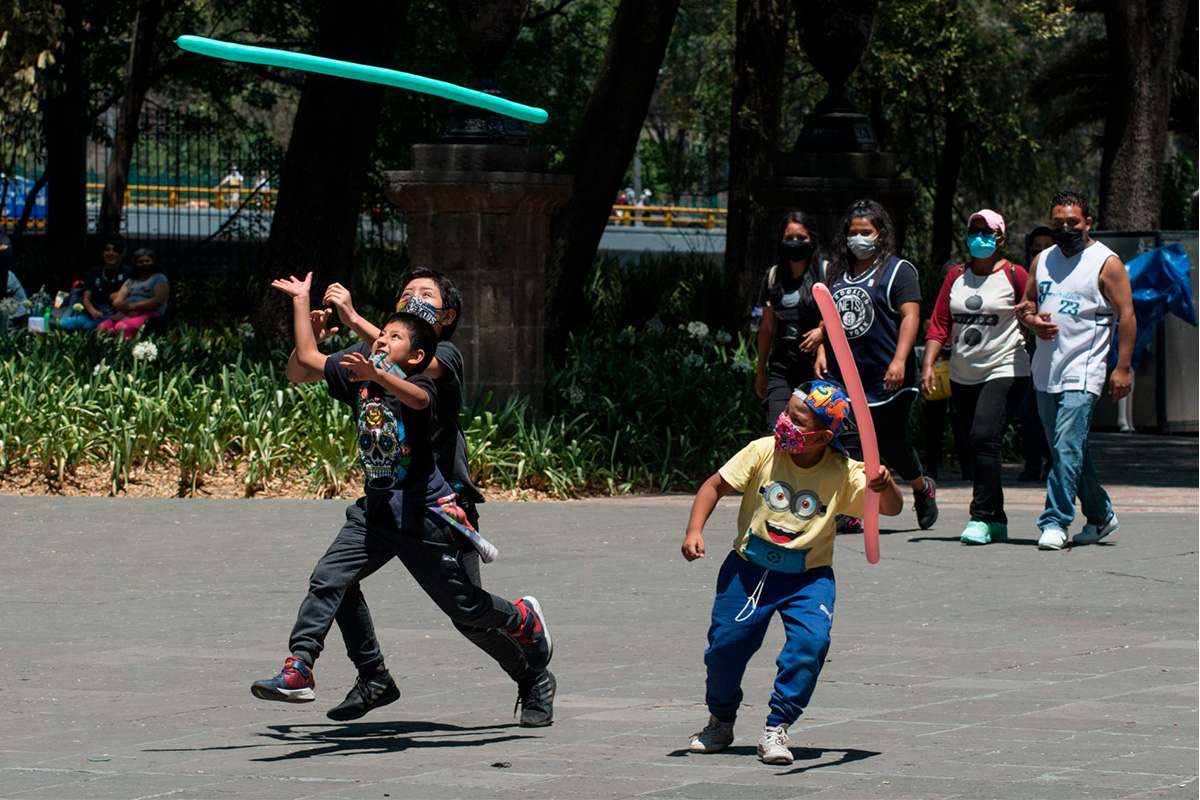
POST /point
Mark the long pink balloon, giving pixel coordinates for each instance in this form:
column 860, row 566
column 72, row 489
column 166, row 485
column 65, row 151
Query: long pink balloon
column 862, row 414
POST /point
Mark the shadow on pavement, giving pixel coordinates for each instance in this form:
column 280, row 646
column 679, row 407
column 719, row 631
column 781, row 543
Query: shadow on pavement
column 848, row 755
column 364, row 738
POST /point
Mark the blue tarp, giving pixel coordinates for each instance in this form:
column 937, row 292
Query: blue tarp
column 1161, row 285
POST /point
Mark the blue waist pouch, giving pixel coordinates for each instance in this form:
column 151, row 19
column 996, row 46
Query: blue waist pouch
column 769, row 555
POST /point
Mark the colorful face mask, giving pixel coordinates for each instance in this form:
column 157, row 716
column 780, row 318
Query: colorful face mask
column 981, row 245
column 417, row 306
column 789, row 438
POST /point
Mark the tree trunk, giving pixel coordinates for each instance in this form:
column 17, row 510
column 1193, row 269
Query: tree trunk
column 754, row 135
column 603, row 146
column 325, row 169
column 137, row 83
column 66, row 122
column 1143, row 45
column 946, row 185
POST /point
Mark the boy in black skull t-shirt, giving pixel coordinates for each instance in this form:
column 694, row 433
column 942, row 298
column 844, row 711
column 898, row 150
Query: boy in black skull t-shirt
column 403, row 514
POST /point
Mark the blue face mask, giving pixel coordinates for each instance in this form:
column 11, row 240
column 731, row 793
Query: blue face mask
column 981, row 245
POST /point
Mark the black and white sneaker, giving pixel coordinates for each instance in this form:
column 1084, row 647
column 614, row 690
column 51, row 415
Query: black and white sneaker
column 536, row 700
column 367, row 693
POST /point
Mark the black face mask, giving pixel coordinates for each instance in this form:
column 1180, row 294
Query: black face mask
column 795, row 250
column 1068, row 239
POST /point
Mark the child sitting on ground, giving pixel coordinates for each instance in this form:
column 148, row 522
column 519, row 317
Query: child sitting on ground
column 399, row 516
column 792, row 488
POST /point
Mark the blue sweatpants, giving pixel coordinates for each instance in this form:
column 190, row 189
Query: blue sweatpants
column 804, row 602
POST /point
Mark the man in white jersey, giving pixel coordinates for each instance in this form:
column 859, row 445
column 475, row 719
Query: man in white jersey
column 1075, row 292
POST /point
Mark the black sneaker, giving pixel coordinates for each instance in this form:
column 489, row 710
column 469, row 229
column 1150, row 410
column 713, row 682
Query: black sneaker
column 925, row 504
column 367, row 693
column 848, row 524
column 536, row 700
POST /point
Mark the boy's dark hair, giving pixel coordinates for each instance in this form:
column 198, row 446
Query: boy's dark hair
column 1071, row 197
column 421, row 336
column 451, row 296
column 885, row 238
column 115, row 239
column 1040, row 230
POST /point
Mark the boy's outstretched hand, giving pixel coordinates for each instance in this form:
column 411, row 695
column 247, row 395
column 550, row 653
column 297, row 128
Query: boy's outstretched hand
column 693, row 546
column 882, row 481
column 320, row 324
column 360, row 368
column 292, row 286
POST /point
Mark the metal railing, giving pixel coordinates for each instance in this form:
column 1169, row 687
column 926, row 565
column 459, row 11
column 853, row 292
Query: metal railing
column 668, row 216
column 219, row 197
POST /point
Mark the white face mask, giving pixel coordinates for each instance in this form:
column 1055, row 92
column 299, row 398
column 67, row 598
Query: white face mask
column 861, row 246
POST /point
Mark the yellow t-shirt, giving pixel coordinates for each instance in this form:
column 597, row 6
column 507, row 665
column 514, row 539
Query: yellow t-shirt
column 790, row 506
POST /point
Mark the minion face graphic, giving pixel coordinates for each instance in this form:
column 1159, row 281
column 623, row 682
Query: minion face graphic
column 789, row 511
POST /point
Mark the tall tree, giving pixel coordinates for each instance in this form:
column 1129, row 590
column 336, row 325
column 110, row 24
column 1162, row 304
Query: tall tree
column 754, row 136
column 603, row 145
column 133, row 94
column 325, row 169
column 66, row 124
column 1143, row 43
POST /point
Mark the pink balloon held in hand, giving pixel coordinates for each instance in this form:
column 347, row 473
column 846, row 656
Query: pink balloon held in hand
column 862, row 414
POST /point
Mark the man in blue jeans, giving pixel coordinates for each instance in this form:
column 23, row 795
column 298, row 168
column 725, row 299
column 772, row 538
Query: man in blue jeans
column 1077, row 289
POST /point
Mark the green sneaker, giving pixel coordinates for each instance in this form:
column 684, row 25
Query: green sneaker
column 999, row 531
column 976, row 532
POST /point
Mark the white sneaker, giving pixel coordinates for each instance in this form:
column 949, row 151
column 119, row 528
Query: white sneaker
column 1052, row 538
column 715, row 737
column 1091, row 534
column 772, row 747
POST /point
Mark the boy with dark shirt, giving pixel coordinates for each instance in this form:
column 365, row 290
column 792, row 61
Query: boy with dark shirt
column 100, row 285
column 401, row 515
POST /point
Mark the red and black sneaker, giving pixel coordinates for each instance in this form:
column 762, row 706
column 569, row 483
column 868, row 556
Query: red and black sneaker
column 293, row 684
column 532, row 634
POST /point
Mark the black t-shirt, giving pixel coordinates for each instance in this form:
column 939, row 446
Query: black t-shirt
column 394, row 445
column 449, row 443
column 102, row 283
column 796, row 314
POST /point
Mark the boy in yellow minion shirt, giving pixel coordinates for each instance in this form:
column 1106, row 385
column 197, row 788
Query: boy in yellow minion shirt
column 792, row 487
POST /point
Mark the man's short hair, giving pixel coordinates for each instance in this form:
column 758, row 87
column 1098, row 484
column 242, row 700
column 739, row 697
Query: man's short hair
column 451, row 296
column 421, row 336
column 1071, row 197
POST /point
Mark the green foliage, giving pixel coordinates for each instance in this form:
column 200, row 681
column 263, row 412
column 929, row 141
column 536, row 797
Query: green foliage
column 673, row 287
column 219, row 399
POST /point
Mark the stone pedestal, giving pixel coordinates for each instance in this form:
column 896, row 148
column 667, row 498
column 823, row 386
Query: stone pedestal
column 824, row 184
column 480, row 213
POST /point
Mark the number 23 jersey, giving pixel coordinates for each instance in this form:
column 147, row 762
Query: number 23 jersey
column 1076, row 359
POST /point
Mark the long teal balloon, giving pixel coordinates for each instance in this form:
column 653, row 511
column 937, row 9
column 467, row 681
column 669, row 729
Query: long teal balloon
column 360, row 72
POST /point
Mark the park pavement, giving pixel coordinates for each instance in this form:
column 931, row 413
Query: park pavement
column 132, row 630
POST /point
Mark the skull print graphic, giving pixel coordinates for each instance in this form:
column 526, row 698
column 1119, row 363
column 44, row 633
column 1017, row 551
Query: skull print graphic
column 382, row 447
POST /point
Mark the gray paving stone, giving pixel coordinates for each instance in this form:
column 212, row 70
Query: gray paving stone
column 132, row 630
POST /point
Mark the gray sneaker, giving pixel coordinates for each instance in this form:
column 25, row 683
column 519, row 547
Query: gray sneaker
column 536, row 701
column 1092, row 534
column 715, row 737
column 772, row 747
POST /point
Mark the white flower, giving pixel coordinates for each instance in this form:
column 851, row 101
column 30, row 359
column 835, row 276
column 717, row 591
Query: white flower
column 8, row 307
column 697, row 329
column 246, row 330
column 741, row 366
column 574, row 394
column 693, row 360
column 145, row 351
column 96, row 370
column 723, row 337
